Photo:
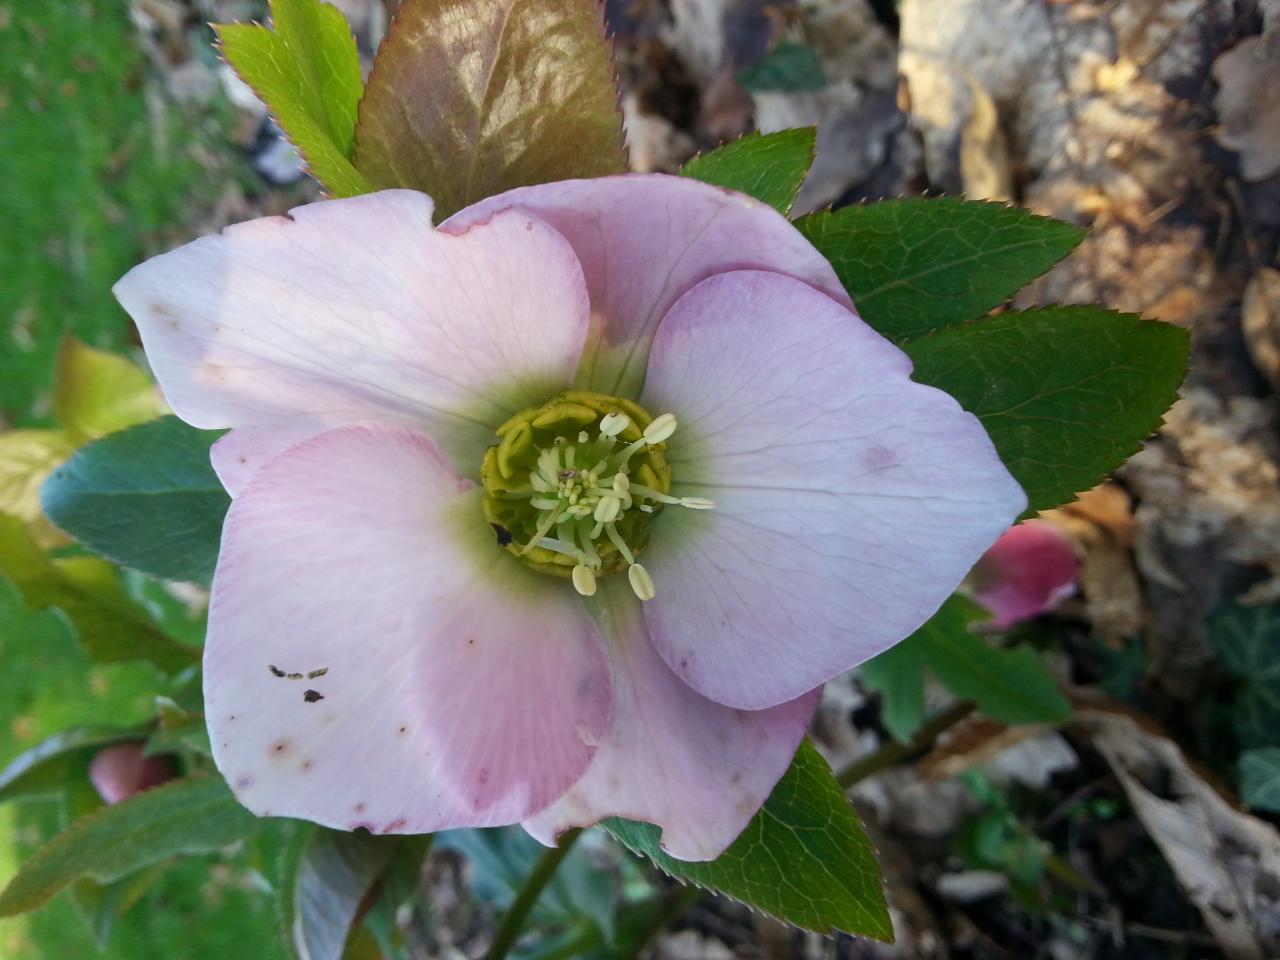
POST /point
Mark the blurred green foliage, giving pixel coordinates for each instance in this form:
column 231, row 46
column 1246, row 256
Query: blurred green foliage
column 94, row 167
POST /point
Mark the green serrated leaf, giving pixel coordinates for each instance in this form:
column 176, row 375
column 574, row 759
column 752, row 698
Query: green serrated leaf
column 146, row 498
column 898, row 676
column 788, row 67
column 1066, row 393
column 1260, row 778
column 102, row 904
column 1011, row 686
column 769, row 167
column 1248, row 641
column 45, row 767
column 918, row 265
column 108, row 626
column 804, row 858
column 99, row 392
column 195, row 815
column 469, row 98
column 326, row 879
column 307, row 71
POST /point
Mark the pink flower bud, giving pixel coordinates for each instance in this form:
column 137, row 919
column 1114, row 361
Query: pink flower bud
column 1029, row 570
column 118, row 772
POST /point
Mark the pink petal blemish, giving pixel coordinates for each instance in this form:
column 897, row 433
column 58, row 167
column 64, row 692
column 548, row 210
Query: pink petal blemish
column 362, row 359
column 1029, row 570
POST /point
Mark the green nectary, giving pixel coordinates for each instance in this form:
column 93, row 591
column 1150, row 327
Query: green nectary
column 574, row 484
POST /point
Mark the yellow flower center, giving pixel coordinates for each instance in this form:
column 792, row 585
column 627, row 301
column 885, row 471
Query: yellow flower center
column 573, row 485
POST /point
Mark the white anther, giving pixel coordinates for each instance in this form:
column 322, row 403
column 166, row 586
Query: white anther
column 641, row 582
column 607, row 509
column 583, row 436
column 661, row 429
column 621, row 484
column 697, row 503
column 612, row 424
column 584, row 581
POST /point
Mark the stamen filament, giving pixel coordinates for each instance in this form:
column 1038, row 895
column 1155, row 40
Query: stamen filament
column 615, row 538
column 543, row 528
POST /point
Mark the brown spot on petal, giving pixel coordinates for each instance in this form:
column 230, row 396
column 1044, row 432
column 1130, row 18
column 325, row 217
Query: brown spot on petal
column 359, row 808
column 484, row 775
column 280, row 746
column 394, row 825
column 311, row 696
column 307, row 765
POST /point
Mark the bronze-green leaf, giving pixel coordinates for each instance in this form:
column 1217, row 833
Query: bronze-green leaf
column 469, row 98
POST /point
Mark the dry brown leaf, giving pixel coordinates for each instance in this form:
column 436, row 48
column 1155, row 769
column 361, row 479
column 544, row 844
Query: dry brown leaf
column 1102, row 525
column 1261, row 322
column 1248, row 77
column 984, row 152
column 1026, row 754
column 1226, row 861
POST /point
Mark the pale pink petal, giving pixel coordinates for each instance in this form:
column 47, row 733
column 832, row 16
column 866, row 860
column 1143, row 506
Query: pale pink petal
column 442, row 684
column 357, row 309
column 696, row 768
column 851, row 500
column 237, row 454
column 1028, row 571
column 645, row 239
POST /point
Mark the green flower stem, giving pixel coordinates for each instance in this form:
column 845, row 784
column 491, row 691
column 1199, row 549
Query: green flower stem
column 894, row 751
column 542, row 872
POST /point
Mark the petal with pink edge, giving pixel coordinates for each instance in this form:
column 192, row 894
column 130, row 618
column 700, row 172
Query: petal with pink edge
column 358, row 309
column 851, row 501
column 1028, row 571
column 644, row 240
column 696, row 768
column 374, row 659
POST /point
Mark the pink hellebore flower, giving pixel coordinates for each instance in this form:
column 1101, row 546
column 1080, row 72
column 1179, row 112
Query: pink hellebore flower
column 1029, row 570
column 425, row 422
